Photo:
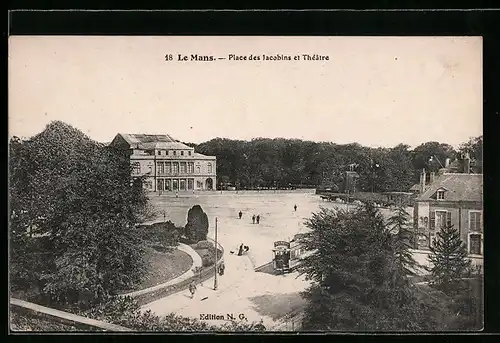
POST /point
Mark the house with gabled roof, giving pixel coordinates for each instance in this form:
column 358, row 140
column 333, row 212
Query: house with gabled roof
column 451, row 199
column 166, row 164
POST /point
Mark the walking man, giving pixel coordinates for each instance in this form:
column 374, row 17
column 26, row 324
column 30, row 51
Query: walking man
column 240, row 214
column 258, row 218
column 295, row 208
column 253, row 219
column 221, row 269
column 192, row 289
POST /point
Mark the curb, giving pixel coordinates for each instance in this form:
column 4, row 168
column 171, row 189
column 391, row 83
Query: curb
column 187, row 275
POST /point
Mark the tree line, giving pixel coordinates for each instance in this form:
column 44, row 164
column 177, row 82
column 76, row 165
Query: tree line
column 265, row 162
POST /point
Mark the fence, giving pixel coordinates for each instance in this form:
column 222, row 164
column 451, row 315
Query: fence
column 53, row 317
column 203, row 275
column 290, row 322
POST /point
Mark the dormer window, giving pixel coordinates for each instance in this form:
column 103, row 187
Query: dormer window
column 440, row 195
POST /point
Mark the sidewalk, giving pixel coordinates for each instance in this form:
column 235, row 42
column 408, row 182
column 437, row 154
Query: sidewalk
column 196, row 263
column 241, row 291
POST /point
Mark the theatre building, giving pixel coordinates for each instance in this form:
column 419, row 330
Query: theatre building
column 167, row 164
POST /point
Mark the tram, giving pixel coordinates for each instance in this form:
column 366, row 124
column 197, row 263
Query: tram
column 287, row 255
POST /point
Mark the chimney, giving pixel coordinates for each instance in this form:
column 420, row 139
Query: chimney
column 422, row 181
column 466, row 163
column 431, row 178
column 447, row 163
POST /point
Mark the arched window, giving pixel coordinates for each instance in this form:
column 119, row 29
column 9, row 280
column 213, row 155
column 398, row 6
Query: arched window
column 209, row 166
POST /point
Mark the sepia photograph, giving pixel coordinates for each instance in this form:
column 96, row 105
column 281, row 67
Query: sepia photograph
column 245, row 184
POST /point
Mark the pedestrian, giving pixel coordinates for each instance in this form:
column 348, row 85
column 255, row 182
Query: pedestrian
column 253, row 219
column 240, row 252
column 258, row 218
column 192, row 289
column 221, row 269
column 295, row 208
column 240, row 214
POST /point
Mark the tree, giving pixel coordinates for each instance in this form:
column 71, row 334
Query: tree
column 474, row 147
column 196, row 228
column 356, row 281
column 403, row 239
column 73, row 200
column 421, row 156
column 449, row 260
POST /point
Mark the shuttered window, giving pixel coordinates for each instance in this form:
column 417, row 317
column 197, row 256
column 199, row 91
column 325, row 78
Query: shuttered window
column 432, row 220
column 448, row 219
column 475, row 244
column 475, row 221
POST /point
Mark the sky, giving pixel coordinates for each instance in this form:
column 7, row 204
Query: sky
column 376, row 91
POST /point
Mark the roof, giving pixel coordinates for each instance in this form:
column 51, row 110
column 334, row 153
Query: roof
column 153, row 141
column 415, row 187
column 460, row 187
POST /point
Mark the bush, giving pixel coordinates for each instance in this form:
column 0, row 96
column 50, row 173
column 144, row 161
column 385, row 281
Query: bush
column 208, row 259
column 197, row 224
column 125, row 311
column 164, row 234
column 204, row 245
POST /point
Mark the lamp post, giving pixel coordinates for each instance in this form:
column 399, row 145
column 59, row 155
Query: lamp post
column 215, row 269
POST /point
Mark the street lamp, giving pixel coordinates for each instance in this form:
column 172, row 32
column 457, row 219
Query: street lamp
column 215, row 269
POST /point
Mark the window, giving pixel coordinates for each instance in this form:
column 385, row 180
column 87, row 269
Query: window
column 474, row 221
column 183, row 168
column 176, row 168
column 190, row 184
column 168, row 168
column 209, row 166
column 159, row 152
column 161, row 167
column 175, row 152
column 189, row 153
column 198, row 169
column 190, row 168
column 441, row 220
column 182, row 153
column 440, row 195
column 136, row 168
column 166, row 152
column 475, row 244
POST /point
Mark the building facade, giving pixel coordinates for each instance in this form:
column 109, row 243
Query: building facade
column 167, row 164
column 450, row 199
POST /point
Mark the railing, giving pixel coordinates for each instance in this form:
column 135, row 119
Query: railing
column 78, row 323
column 290, row 322
column 203, row 275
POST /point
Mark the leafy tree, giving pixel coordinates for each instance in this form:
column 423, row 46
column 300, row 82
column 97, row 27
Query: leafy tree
column 403, row 239
column 449, row 260
column 75, row 196
column 196, row 228
column 357, row 284
column 421, row 156
column 474, row 147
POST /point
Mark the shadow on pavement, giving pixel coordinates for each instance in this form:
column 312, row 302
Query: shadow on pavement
column 278, row 305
